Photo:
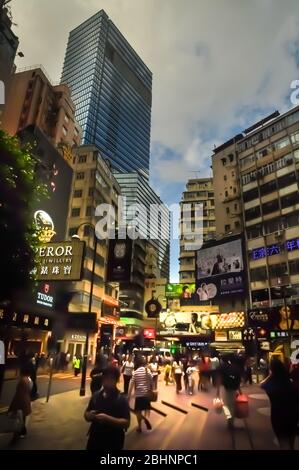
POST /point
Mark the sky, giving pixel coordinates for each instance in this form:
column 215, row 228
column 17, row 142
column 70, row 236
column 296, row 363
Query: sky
column 218, row 66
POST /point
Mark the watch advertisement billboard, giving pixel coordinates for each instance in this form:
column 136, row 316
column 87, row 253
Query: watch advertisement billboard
column 220, row 270
column 119, row 261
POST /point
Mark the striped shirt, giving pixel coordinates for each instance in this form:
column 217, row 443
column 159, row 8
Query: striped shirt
column 142, row 380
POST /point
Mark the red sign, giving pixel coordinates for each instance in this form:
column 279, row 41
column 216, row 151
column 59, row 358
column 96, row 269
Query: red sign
column 149, row 333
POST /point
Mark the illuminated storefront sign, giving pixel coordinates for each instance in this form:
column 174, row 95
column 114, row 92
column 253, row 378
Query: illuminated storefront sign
column 149, row 333
column 292, row 245
column 262, row 252
column 59, row 261
column 44, row 296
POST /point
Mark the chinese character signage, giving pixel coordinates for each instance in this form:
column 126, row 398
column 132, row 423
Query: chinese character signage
column 59, row 261
column 220, row 270
column 259, row 253
column 292, row 245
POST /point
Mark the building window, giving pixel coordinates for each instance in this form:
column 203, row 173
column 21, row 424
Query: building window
column 90, row 192
column 258, row 274
column 227, row 228
column 223, row 161
column 270, row 206
column 76, row 132
column 290, row 200
column 74, row 160
column 75, row 212
column 268, row 188
column 255, row 231
column 88, row 211
column 225, row 177
column 92, row 173
column 78, row 193
column 237, row 224
column 72, row 231
column 226, row 193
column 271, row 226
column 87, row 230
column 233, row 174
column 236, row 207
column 95, row 156
column 80, row 175
column 252, row 213
column 227, row 210
column 294, row 266
column 286, row 180
column 231, row 157
column 64, row 131
column 250, row 195
column 278, row 270
column 82, row 159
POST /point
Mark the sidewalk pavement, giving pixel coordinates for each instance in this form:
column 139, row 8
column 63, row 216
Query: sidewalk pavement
column 59, row 424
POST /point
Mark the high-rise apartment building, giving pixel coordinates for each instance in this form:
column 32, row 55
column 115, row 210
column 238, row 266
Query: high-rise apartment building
column 93, row 184
column 198, row 191
column 112, row 90
column 265, row 163
column 34, row 100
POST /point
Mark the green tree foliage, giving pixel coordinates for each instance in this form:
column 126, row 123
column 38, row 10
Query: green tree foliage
column 20, row 191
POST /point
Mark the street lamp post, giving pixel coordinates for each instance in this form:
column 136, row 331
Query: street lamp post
column 85, row 357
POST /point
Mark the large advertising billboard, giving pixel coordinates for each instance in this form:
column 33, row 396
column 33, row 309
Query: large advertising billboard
column 195, row 323
column 119, row 261
column 220, row 270
column 275, row 318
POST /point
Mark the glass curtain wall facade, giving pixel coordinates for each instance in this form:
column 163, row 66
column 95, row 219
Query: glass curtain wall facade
column 136, row 190
column 112, row 90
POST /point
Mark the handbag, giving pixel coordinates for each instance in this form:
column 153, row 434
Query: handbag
column 152, row 395
column 241, row 406
column 218, row 405
column 11, row 422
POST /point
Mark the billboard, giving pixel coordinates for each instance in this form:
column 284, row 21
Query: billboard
column 220, row 270
column 276, row 318
column 195, row 323
column 119, row 261
column 182, row 291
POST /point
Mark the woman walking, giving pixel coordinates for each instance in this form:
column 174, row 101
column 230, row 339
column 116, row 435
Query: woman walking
column 284, row 399
column 154, row 368
column 127, row 369
column 142, row 382
column 22, row 399
column 177, row 368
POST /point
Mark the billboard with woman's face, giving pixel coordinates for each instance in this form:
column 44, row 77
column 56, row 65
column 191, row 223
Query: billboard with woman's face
column 220, row 270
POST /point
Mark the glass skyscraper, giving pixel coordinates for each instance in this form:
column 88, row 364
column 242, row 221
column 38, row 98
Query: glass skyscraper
column 152, row 226
column 112, row 90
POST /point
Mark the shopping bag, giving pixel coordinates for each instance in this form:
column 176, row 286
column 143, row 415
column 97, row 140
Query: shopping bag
column 218, row 405
column 241, row 406
column 11, row 422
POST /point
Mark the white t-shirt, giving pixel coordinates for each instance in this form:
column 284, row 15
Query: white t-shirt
column 128, row 368
column 154, row 368
column 178, row 367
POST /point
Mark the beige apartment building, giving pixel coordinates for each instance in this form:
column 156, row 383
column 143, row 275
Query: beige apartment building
column 256, row 178
column 198, row 190
column 34, row 100
column 93, row 184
